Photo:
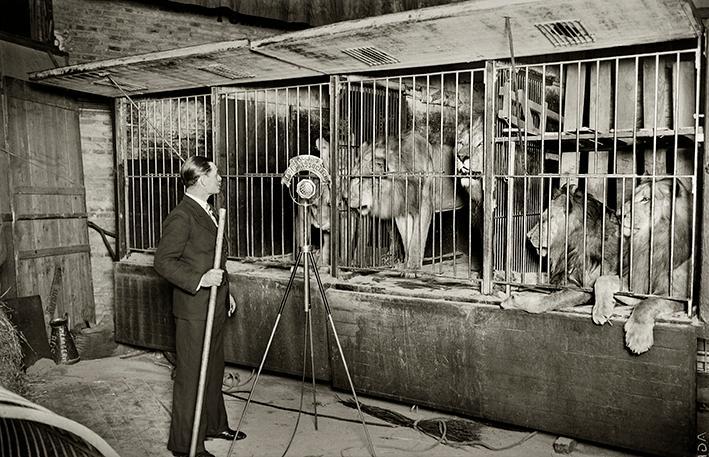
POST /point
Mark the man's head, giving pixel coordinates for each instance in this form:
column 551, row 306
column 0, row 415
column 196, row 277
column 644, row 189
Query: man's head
column 200, row 176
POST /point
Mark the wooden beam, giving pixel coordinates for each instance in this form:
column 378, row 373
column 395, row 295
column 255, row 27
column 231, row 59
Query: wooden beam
column 120, row 108
column 41, row 216
column 188, row 51
column 52, row 252
column 48, row 190
column 703, row 212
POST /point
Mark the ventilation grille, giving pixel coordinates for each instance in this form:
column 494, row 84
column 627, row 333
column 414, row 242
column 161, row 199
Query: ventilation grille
column 226, row 72
column 370, row 55
column 565, row 33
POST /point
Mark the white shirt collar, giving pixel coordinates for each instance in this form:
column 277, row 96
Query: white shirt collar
column 203, row 203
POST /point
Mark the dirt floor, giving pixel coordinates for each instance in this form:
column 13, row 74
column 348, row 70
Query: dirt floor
column 126, row 400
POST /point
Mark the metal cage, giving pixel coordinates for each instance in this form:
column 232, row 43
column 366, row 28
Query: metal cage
column 160, row 133
column 257, row 132
column 402, row 204
column 612, row 139
column 539, row 174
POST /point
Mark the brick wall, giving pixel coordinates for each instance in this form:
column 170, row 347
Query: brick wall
column 96, row 125
column 92, row 30
column 98, row 29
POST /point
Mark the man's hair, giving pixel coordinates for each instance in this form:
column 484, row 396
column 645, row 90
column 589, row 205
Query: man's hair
column 193, row 168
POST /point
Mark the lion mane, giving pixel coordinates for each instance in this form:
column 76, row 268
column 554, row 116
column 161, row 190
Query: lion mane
column 469, row 161
column 648, row 219
column 566, row 254
column 576, row 256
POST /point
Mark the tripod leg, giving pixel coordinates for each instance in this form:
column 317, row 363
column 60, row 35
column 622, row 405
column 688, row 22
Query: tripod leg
column 268, row 347
column 312, row 368
column 307, row 304
column 342, row 355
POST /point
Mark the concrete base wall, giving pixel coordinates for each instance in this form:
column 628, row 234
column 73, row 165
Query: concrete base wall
column 556, row 372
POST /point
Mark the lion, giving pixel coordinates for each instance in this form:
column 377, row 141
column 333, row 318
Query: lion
column 570, row 262
column 469, row 159
column 652, row 197
column 394, row 181
column 320, row 209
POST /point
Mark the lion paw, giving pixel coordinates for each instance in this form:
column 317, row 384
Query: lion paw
column 508, row 302
column 526, row 301
column 408, row 274
column 604, row 291
column 638, row 335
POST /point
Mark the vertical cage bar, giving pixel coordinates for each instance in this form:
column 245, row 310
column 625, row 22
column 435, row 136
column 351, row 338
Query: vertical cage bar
column 490, row 81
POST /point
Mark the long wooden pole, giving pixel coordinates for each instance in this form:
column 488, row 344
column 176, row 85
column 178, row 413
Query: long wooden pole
column 207, row 337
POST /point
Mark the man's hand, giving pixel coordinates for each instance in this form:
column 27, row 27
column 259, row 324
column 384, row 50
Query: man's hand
column 232, row 305
column 211, row 278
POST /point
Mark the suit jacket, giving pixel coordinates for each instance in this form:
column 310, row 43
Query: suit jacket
column 185, row 252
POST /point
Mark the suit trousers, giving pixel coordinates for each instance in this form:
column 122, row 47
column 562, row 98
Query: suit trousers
column 189, row 335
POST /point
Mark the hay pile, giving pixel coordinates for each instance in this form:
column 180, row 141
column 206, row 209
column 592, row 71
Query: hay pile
column 11, row 375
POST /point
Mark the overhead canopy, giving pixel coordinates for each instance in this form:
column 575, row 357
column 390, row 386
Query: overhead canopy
column 475, row 31
column 461, row 32
column 213, row 64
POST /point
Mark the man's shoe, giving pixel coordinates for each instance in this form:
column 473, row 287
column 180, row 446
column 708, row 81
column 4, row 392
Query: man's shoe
column 199, row 454
column 228, row 434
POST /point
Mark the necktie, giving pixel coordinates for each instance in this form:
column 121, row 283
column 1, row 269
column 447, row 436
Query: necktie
column 212, row 213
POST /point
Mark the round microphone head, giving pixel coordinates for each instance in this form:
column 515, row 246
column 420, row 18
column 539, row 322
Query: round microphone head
column 306, row 189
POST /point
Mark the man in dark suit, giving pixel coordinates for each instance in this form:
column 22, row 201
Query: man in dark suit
column 185, row 257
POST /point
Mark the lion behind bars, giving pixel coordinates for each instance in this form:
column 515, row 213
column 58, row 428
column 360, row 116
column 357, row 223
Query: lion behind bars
column 393, row 180
column 657, row 224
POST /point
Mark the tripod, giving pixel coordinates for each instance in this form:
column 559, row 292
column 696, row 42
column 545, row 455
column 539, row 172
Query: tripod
column 308, row 259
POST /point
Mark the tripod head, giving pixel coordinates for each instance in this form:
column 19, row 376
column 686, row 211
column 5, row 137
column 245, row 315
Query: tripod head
column 306, row 178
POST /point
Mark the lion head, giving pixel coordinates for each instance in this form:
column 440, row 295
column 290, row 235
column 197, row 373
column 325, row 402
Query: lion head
column 658, row 214
column 566, row 234
column 647, row 204
column 386, row 180
column 469, row 152
column 320, row 209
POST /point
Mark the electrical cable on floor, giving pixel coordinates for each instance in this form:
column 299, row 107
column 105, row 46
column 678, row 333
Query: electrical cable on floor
column 285, row 408
column 452, row 432
column 231, row 392
column 448, row 431
column 302, row 394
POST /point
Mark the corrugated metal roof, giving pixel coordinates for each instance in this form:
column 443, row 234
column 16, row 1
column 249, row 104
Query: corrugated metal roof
column 462, row 32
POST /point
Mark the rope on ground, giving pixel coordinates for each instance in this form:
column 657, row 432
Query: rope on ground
column 449, row 431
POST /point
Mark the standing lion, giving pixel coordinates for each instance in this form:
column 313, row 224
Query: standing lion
column 394, row 181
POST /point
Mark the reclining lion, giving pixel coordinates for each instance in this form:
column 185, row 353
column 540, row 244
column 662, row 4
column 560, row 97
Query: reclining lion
column 570, row 262
column 637, row 221
column 638, row 328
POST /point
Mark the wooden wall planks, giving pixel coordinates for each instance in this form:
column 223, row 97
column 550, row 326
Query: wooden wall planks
column 48, row 201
